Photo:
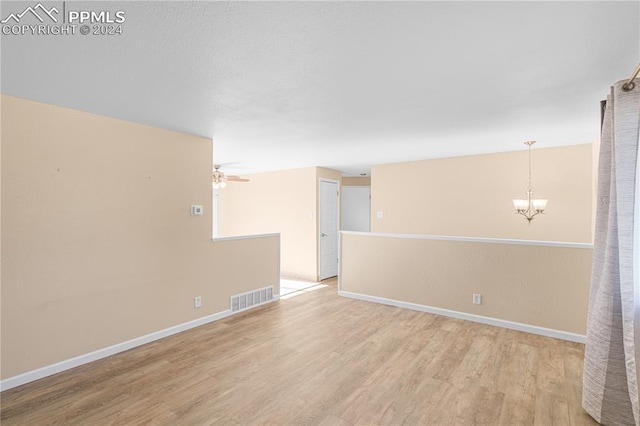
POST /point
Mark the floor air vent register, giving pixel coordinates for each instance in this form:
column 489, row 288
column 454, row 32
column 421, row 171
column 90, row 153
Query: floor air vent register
column 244, row 301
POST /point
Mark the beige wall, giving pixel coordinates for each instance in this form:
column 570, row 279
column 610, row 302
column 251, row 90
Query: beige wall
column 282, row 202
column 285, row 202
column 471, row 196
column 324, row 173
column 98, row 243
column 356, row 181
column 536, row 285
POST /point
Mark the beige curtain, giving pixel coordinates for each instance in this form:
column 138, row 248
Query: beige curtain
column 610, row 381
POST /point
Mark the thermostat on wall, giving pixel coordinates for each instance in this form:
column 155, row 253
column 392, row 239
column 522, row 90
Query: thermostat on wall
column 196, row 210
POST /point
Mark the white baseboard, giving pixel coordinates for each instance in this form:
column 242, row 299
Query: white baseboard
column 68, row 364
column 534, row 329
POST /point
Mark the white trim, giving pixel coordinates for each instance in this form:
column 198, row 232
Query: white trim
column 534, row 329
column 474, row 239
column 339, row 262
column 247, row 237
column 68, row 364
column 279, row 264
column 216, row 211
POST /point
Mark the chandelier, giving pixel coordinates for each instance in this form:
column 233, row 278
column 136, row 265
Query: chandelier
column 530, row 207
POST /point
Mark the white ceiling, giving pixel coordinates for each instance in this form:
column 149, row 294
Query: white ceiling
column 343, row 85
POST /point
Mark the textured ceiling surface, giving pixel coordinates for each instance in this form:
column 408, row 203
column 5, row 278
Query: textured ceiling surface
column 343, row 85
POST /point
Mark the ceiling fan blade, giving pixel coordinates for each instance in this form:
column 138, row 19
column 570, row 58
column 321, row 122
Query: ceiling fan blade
column 236, row 179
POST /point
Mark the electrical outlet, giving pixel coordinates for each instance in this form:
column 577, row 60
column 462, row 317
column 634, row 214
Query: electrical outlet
column 197, row 302
column 477, row 299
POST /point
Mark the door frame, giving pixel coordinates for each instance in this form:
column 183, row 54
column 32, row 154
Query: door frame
column 318, row 221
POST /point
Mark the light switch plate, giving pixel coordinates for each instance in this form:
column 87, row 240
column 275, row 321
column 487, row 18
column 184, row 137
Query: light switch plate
column 380, row 214
column 196, row 210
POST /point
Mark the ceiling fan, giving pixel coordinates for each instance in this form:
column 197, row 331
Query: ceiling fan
column 219, row 180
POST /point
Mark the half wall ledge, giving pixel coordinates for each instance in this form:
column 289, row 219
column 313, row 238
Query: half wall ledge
column 540, row 287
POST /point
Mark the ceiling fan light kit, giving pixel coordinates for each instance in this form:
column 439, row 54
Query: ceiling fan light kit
column 530, row 207
column 219, row 180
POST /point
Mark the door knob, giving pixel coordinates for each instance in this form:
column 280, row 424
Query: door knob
column 324, row 235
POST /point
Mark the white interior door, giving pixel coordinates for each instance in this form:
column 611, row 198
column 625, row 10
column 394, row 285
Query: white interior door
column 328, row 228
column 355, row 207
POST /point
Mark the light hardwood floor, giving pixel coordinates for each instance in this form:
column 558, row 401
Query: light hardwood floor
column 319, row 359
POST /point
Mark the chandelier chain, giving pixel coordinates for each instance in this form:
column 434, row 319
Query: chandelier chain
column 530, row 189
